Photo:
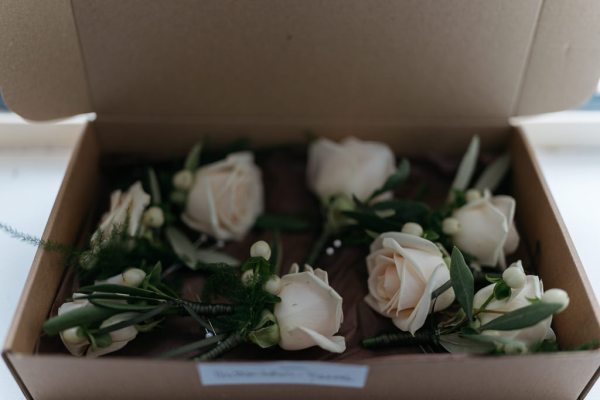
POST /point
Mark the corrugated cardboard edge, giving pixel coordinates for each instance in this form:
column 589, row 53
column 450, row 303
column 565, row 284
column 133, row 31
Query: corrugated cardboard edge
column 6, row 357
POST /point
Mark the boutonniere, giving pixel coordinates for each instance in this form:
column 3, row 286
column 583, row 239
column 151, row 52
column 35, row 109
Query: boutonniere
column 295, row 311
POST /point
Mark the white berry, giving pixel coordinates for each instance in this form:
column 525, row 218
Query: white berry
column 273, row 285
column 412, row 228
column 247, row 277
column 261, row 249
column 514, row 277
column 183, row 180
column 556, row 296
column 450, row 226
column 472, row 195
column 133, row 277
column 154, row 217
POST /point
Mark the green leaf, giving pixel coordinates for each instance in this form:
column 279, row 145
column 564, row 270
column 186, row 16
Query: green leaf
column 282, row 222
column 462, row 282
column 154, row 186
column 431, row 235
column 182, row 246
column 492, row 176
column 122, row 307
column 394, row 180
column 502, row 290
column 193, row 158
column 404, row 210
column 82, row 316
column 111, row 288
column 522, row 317
column 467, row 166
column 155, row 311
column 493, row 278
column 372, row 222
column 441, row 290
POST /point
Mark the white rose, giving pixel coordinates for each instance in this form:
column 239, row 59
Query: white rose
column 119, row 337
column 486, row 229
column 310, row 311
column 351, row 167
column 226, row 197
column 125, row 209
column 404, row 270
column 519, row 298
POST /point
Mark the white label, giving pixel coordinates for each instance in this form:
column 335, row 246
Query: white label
column 284, row 372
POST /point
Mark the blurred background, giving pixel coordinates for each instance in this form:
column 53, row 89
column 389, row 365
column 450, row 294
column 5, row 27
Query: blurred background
column 33, row 161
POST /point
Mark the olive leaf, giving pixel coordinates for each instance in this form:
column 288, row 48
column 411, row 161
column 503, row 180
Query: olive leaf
column 193, row 158
column 522, row 317
column 394, row 180
column 208, row 256
column 492, row 176
column 466, row 167
column 82, row 316
column 182, row 246
column 154, row 186
column 462, row 282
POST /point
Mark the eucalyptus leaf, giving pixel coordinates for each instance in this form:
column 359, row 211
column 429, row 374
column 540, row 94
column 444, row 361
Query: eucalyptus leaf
column 467, row 166
column 462, row 282
column 154, row 186
column 282, row 222
column 522, row 317
column 492, row 176
column 193, row 158
column 394, row 180
column 182, row 246
column 208, row 256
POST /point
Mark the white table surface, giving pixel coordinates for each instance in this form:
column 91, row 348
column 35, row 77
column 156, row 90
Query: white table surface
column 31, row 169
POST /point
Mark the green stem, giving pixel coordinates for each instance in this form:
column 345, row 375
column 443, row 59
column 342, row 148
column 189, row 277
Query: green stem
column 317, row 248
column 226, row 345
column 205, row 308
column 401, row 339
column 188, row 348
column 484, row 305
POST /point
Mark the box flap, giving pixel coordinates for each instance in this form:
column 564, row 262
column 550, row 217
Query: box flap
column 272, row 60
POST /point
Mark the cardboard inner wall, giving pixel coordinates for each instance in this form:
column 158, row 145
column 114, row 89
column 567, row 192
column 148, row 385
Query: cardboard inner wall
column 49, row 376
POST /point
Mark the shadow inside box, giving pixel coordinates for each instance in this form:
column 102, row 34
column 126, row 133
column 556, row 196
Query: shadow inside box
column 286, row 193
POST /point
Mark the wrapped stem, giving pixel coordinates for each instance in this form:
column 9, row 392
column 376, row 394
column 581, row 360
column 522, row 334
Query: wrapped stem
column 401, row 339
column 226, row 345
column 205, row 308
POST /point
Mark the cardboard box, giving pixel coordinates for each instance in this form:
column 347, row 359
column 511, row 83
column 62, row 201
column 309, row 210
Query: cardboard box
column 422, row 76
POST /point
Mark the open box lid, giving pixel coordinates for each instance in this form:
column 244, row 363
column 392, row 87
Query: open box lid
column 401, row 61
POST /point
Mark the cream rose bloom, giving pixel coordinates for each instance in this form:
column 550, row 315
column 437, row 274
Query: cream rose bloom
column 226, row 197
column 519, row 298
column 351, row 167
column 310, row 311
column 404, row 270
column 126, row 209
column 486, row 229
